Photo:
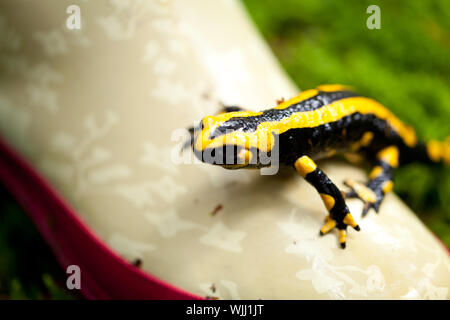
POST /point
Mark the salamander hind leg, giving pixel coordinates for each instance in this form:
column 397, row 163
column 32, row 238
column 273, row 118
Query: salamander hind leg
column 372, row 193
column 339, row 216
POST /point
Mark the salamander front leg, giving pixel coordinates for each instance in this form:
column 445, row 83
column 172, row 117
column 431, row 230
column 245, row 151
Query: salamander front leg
column 380, row 183
column 339, row 216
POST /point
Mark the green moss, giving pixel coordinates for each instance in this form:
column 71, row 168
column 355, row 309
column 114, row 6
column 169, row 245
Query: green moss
column 405, row 65
column 28, row 269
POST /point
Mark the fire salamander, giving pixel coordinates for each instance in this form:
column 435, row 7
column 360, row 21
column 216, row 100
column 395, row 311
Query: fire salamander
column 318, row 123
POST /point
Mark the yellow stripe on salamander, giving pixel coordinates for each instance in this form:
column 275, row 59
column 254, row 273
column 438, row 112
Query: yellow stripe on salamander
column 302, row 96
column 262, row 137
column 311, row 93
column 328, row 201
column 336, row 111
column 334, row 87
column 305, row 165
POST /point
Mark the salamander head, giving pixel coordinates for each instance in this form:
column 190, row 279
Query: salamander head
column 227, row 140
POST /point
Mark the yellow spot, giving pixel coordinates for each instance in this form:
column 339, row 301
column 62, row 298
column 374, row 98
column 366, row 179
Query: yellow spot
column 328, row 201
column 434, row 150
column 365, row 140
column 305, row 165
column 377, row 171
column 329, row 224
column 342, row 236
column 363, row 192
column 389, row 155
column 387, row 186
column 348, row 220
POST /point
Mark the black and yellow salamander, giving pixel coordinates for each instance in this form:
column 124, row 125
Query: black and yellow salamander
column 318, row 123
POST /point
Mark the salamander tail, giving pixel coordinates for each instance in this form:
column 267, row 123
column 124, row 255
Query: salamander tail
column 432, row 152
column 439, row 151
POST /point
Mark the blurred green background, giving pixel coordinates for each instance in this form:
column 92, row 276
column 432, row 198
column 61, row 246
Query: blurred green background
column 404, row 65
